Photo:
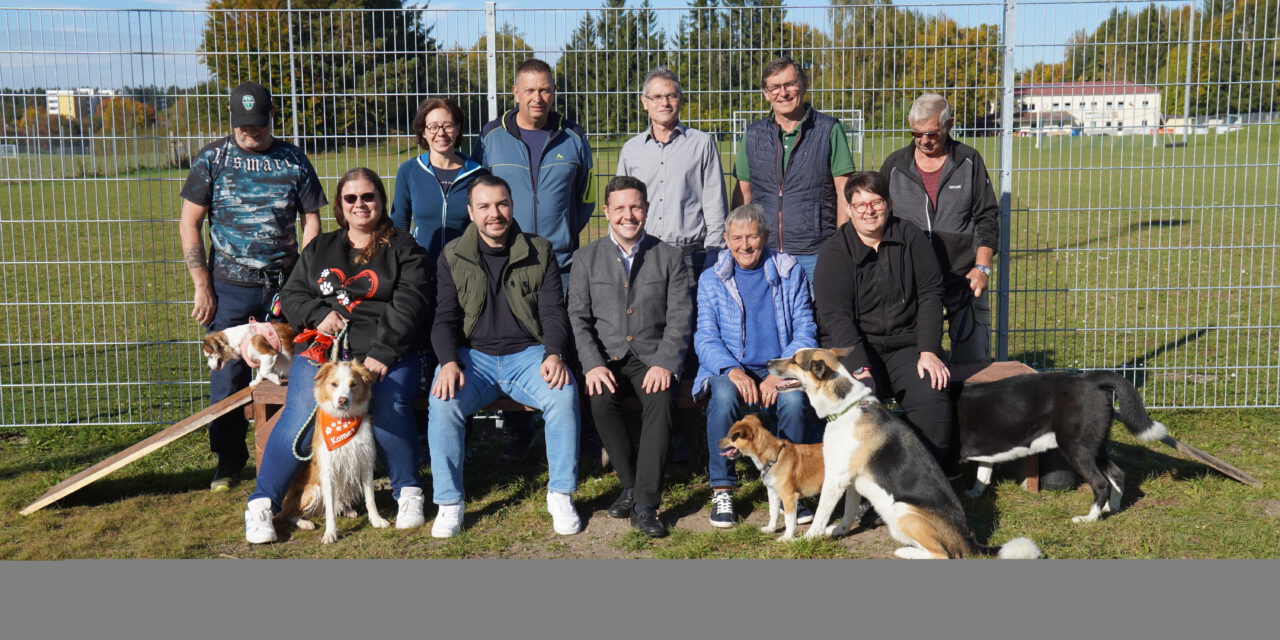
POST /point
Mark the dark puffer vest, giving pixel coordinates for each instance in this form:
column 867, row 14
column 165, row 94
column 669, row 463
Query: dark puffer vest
column 799, row 200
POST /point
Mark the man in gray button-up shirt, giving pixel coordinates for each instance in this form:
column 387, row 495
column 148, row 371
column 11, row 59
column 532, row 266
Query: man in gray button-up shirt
column 632, row 318
column 681, row 168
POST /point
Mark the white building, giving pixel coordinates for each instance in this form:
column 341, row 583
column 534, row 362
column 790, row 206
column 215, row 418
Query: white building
column 1098, row 108
column 74, row 103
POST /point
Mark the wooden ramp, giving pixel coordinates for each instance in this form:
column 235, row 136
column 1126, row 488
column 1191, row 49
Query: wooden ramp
column 142, row 448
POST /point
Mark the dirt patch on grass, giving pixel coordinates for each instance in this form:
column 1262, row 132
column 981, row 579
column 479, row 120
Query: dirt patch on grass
column 1271, row 508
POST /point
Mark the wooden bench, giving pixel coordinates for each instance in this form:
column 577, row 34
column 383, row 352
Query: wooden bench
column 268, row 397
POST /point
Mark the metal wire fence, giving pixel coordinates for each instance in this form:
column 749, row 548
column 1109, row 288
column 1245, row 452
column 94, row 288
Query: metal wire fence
column 1133, row 146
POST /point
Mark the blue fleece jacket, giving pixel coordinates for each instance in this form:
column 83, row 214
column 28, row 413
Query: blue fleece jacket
column 420, row 207
column 560, row 204
column 722, row 322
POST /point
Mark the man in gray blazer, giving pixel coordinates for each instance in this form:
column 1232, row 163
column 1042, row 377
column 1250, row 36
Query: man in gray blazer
column 632, row 317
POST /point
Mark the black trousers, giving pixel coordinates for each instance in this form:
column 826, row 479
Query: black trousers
column 640, row 467
column 928, row 411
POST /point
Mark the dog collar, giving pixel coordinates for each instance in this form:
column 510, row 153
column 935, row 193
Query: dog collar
column 861, row 403
column 769, row 465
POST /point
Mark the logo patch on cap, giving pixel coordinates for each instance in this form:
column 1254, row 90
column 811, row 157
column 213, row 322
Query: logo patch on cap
column 248, row 102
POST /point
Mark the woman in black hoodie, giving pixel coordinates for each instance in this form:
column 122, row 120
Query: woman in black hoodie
column 371, row 279
column 878, row 289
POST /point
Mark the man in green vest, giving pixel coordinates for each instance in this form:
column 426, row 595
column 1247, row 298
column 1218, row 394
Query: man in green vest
column 500, row 329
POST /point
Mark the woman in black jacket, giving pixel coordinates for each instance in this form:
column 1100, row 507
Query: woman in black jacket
column 878, row 289
column 371, row 279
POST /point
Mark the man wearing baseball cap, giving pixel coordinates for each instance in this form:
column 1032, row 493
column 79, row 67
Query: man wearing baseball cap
column 253, row 187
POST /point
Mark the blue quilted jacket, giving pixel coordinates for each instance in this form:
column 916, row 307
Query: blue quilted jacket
column 722, row 320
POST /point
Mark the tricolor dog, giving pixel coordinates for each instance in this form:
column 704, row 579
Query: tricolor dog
column 1028, row 414
column 867, row 451
column 789, row 471
column 341, row 468
column 264, row 346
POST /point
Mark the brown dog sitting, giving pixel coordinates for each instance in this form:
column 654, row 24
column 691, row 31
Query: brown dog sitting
column 790, row 471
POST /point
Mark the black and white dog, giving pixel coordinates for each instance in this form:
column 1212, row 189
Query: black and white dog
column 1071, row 411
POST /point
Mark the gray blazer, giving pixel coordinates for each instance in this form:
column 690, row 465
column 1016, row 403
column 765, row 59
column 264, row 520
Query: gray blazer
column 649, row 314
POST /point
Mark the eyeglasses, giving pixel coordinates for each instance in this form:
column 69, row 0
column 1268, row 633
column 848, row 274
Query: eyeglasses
column 863, row 208
column 775, row 88
column 368, row 198
column 666, row 97
column 932, row 135
column 448, row 127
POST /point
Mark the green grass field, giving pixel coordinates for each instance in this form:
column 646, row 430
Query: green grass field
column 160, row 507
column 1165, row 267
column 1157, row 260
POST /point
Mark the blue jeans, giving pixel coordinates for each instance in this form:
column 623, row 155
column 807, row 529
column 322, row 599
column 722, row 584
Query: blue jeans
column 809, row 264
column 394, row 428
column 725, row 407
column 236, row 303
column 485, row 378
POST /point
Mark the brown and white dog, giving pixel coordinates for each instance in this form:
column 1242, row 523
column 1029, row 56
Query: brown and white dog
column 867, row 451
column 335, row 480
column 265, row 346
column 789, row 471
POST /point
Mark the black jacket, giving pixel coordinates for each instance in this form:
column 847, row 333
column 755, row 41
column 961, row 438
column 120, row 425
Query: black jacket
column 967, row 215
column 883, row 300
column 385, row 300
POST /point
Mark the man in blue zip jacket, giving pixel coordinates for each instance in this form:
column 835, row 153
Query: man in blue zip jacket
column 546, row 160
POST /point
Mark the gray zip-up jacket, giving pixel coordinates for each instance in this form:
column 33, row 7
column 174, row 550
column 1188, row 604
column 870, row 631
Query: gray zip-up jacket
column 967, row 215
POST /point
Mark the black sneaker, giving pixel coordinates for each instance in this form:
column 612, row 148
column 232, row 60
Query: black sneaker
column 804, row 513
column 722, row 509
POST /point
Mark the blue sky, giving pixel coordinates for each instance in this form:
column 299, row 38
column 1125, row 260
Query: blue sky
column 1041, row 28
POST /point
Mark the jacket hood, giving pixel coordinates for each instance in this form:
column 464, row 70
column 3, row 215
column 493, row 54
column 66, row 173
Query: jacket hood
column 776, row 265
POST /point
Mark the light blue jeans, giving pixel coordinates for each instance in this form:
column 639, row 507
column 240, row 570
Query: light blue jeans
column 485, row 378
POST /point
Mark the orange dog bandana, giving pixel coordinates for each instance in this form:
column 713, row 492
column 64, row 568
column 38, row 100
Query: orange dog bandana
column 337, row 431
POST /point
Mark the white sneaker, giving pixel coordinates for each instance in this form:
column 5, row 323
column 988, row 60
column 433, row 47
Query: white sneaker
column 410, row 514
column 564, row 518
column 257, row 522
column 448, row 521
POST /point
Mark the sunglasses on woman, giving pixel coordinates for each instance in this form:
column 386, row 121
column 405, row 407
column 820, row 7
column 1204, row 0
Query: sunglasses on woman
column 367, row 198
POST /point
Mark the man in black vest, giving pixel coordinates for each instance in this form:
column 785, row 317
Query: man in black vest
column 793, row 164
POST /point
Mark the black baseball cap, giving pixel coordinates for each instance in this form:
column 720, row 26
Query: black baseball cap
column 251, row 106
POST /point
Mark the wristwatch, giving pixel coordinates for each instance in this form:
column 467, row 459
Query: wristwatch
column 986, row 271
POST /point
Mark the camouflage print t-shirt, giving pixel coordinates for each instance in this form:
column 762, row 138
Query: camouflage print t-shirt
column 254, row 200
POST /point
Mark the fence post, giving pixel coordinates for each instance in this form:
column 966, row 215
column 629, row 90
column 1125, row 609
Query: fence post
column 1006, row 179
column 491, row 56
column 293, row 73
column 1186, row 92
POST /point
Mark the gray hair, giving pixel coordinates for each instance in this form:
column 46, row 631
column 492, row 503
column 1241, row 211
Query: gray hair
column 928, row 106
column 748, row 214
column 661, row 73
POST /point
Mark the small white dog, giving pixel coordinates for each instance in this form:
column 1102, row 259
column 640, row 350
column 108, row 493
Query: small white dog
column 265, row 346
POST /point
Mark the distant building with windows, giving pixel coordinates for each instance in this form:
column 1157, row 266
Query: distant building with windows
column 74, row 104
column 1089, row 108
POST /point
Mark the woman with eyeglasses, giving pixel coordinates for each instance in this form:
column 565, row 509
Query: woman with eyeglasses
column 371, row 279
column 878, row 289
column 431, row 189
